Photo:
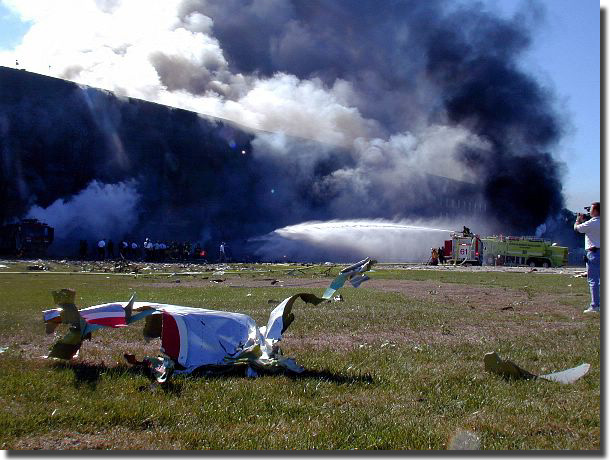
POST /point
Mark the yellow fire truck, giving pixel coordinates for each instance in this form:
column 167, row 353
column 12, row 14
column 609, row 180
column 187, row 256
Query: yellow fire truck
column 523, row 250
column 466, row 248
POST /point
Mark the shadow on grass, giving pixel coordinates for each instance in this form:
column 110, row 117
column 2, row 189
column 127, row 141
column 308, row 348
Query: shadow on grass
column 219, row 372
column 333, row 377
column 89, row 374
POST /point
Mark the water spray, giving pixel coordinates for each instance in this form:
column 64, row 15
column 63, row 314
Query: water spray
column 342, row 240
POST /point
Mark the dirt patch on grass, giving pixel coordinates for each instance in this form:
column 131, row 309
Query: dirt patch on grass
column 241, row 282
column 107, row 346
column 514, row 313
column 482, row 298
column 458, row 333
column 114, row 439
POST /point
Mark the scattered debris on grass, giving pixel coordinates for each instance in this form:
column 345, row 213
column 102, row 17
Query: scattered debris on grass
column 354, row 274
column 191, row 338
column 509, row 370
column 38, row 267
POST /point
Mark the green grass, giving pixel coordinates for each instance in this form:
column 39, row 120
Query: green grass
column 385, row 370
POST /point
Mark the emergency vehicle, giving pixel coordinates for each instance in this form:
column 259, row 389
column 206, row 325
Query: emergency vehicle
column 464, row 248
column 523, row 250
column 27, row 238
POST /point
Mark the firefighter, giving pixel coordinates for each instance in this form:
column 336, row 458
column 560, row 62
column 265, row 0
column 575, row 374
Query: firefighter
column 434, row 257
column 441, row 255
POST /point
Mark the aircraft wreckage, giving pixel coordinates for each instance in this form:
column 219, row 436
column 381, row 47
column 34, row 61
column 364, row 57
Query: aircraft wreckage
column 198, row 338
column 191, row 338
column 509, row 370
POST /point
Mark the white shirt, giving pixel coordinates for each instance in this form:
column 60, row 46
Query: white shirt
column 592, row 231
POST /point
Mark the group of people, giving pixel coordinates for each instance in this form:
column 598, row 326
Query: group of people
column 437, row 256
column 158, row 251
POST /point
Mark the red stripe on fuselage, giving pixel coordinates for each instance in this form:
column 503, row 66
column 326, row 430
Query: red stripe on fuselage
column 108, row 321
column 170, row 337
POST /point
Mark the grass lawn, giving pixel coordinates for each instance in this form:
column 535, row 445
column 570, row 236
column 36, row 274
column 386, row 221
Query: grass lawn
column 397, row 365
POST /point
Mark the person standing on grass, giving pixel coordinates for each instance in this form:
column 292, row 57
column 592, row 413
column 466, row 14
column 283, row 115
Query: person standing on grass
column 223, row 255
column 441, row 255
column 434, row 257
column 592, row 231
column 101, row 249
column 134, row 250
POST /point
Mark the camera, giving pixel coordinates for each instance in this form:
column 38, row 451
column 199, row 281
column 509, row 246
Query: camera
column 587, row 216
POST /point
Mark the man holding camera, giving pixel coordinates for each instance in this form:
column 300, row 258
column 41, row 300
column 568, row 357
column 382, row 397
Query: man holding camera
column 592, row 231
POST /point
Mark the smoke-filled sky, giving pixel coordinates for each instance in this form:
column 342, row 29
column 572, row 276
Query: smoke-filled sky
column 327, row 71
column 351, row 105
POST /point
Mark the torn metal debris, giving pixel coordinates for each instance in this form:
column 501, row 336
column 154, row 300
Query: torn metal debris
column 38, row 267
column 353, row 273
column 509, row 370
column 191, row 337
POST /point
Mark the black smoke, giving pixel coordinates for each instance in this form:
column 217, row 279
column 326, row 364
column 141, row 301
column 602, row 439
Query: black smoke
column 477, row 66
column 472, row 78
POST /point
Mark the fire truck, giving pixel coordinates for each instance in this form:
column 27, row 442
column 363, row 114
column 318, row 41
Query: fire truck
column 464, row 248
column 523, row 250
column 27, row 238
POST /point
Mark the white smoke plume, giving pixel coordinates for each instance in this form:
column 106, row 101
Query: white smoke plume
column 98, row 211
column 177, row 62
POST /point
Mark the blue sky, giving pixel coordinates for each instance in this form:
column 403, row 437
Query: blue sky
column 564, row 56
column 11, row 28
